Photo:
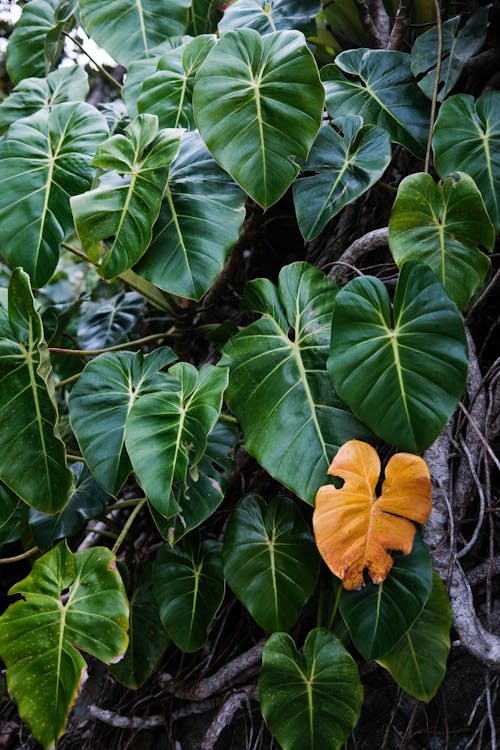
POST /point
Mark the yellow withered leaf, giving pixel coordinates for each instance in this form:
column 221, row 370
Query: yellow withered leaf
column 354, row 528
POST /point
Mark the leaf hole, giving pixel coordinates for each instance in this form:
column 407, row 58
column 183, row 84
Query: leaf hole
column 291, row 334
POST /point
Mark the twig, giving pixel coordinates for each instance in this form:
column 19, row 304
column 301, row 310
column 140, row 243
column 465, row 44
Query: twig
column 482, row 504
column 400, row 25
column 437, row 79
column 115, row 348
column 480, row 435
column 17, row 558
column 126, row 722
column 226, row 714
column 365, row 244
column 481, row 572
column 102, row 70
column 126, row 528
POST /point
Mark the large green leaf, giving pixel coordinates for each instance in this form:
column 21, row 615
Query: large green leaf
column 45, row 159
column 107, row 322
column 188, row 585
column 379, row 86
column 167, row 431
column 199, row 222
column 467, row 138
column 203, row 16
column 129, row 29
column 442, row 226
column 380, row 614
column 38, row 633
column 270, row 560
column 418, row 661
column 258, row 103
column 310, row 700
column 33, row 456
column 345, row 166
column 100, row 403
column 292, row 419
column 116, row 219
column 402, row 376
column 271, row 15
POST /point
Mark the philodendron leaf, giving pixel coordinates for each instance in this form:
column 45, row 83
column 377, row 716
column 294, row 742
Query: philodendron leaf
column 107, row 322
column 354, row 528
column 379, row 615
column 40, row 632
column 270, row 560
column 292, row 419
column 401, row 373
column 116, row 219
column 100, row 403
column 346, row 167
column 442, row 225
column 309, row 700
column 39, row 174
column 33, row 456
column 200, row 219
column 266, row 16
column 188, row 585
column 258, row 103
column 466, row 138
column 11, row 508
column 379, row 86
column 418, row 661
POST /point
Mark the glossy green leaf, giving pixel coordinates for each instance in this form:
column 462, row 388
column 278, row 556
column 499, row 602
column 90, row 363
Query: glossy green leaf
column 266, row 16
column 148, row 638
column 293, row 421
column 402, row 374
column 11, row 508
column 379, row 86
column 167, row 431
column 100, row 402
column 107, row 322
column 309, row 700
column 129, row 29
column 258, row 103
column 39, row 174
column 33, row 456
column 418, row 661
column 467, row 139
column 346, row 166
column 115, row 220
column 270, row 560
column 188, row 585
column 38, row 633
column 32, row 94
column 442, row 225
column 459, row 43
column 200, row 220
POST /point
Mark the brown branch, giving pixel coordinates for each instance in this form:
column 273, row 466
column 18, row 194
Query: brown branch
column 125, row 722
column 481, row 572
column 400, row 25
column 377, row 37
column 360, row 247
column 226, row 713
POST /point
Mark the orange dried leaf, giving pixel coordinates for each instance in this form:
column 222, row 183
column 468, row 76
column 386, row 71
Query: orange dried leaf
column 354, row 528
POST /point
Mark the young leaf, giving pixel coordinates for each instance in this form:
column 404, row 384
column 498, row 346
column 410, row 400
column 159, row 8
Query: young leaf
column 265, row 16
column 354, row 528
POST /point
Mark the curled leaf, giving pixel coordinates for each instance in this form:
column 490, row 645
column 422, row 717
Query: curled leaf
column 354, row 528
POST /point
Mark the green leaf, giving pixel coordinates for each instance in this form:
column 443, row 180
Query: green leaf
column 292, row 419
column 38, row 633
column 167, row 430
column 100, row 402
column 129, row 29
column 310, row 700
column 379, row 86
column 379, row 615
column 467, row 139
column 188, row 585
column 107, row 322
column 33, row 456
column 32, row 94
column 442, row 225
column 11, row 508
column 39, row 174
column 200, row 220
column 459, row 43
column 418, row 661
column 203, row 17
column 270, row 560
column 402, row 377
column 116, row 219
column 258, row 103
column 346, row 167
column 266, row 16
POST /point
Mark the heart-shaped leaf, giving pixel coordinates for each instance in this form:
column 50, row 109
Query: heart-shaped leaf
column 278, row 385
column 346, row 167
column 310, row 700
column 39, row 174
column 266, row 16
column 354, row 528
column 38, row 633
column 118, row 216
column 379, row 86
column 402, row 378
column 442, row 226
column 270, row 561
column 258, row 103
column 107, row 322
column 379, row 615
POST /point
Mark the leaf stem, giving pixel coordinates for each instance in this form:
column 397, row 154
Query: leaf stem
column 228, row 418
column 435, row 92
column 72, row 457
column 67, row 381
column 116, row 348
column 130, row 503
column 130, row 520
column 102, row 70
column 17, row 558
